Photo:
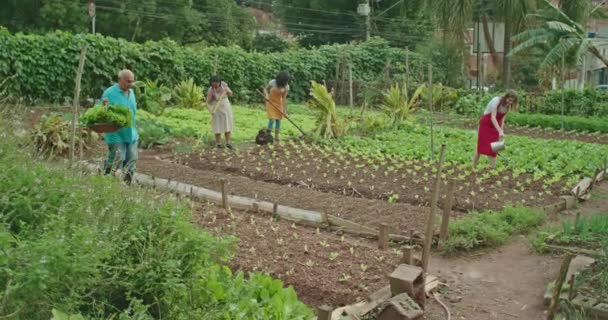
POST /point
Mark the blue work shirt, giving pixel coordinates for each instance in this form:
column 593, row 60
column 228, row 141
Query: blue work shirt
column 117, row 97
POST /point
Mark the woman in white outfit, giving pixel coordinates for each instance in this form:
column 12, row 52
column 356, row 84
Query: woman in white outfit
column 218, row 104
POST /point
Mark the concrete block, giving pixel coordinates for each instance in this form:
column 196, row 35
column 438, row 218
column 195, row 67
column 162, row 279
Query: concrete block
column 406, row 279
column 583, row 301
column 600, row 310
column 578, row 264
column 401, row 307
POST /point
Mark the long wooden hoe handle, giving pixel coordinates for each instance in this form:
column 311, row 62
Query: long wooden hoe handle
column 281, row 111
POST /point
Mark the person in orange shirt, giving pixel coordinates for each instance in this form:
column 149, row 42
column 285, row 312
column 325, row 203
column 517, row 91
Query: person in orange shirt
column 276, row 101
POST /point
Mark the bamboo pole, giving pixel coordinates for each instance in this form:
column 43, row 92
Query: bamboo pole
column 224, row 194
column 431, row 110
column 428, row 236
column 447, row 210
column 76, row 101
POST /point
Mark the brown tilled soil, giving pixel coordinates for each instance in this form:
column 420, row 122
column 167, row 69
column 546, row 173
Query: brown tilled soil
column 305, row 167
column 323, row 267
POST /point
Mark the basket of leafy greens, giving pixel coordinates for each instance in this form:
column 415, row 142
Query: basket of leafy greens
column 105, row 120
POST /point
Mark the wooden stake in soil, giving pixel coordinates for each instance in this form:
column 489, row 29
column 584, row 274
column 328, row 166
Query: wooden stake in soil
column 447, row 210
column 350, row 85
column 76, row 101
column 571, row 292
column 383, row 236
column 563, row 271
column 255, row 207
column 224, row 194
column 428, row 236
column 431, row 111
column 275, row 210
column 408, row 255
column 324, row 312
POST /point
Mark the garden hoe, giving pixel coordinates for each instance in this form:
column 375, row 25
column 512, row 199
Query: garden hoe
column 281, row 111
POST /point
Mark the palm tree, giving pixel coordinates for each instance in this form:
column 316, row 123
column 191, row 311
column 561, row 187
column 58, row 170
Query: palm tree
column 513, row 13
column 560, row 34
column 455, row 16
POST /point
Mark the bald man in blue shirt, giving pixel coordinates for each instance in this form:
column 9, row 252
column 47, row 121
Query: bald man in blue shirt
column 125, row 140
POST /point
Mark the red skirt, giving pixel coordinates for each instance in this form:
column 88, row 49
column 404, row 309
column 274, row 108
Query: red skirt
column 488, row 134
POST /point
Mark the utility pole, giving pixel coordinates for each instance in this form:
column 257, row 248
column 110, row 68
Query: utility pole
column 364, row 10
column 92, row 13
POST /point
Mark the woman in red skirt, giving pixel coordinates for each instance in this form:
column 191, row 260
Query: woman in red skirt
column 491, row 125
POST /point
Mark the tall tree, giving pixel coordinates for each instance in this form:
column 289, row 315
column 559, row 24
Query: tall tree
column 219, row 22
column 513, row 13
column 560, row 35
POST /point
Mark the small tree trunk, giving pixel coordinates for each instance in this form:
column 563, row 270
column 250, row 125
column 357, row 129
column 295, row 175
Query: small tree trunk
column 598, row 55
column 490, row 41
column 506, row 63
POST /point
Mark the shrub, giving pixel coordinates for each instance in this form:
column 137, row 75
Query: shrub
column 52, row 136
column 89, row 247
column 269, row 43
column 491, row 228
column 45, row 65
column 189, row 95
column 152, row 97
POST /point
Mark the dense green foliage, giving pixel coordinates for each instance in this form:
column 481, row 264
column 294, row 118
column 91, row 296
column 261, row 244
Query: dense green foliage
column 556, row 158
column 90, row 246
column 490, row 229
column 587, row 103
column 322, row 22
column 52, row 136
column 119, row 115
column 575, row 123
column 184, row 21
column 45, row 66
column 269, row 43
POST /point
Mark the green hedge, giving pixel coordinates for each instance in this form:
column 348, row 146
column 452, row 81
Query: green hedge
column 575, row 123
column 91, row 247
column 45, row 65
column 585, row 103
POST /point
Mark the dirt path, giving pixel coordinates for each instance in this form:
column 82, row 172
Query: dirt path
column 507, row 283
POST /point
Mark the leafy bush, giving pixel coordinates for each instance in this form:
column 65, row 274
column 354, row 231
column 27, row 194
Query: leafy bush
column 269, row 43
column 575, row 123
column 491, row 229
column 53, row 136
column 152, row 97
column 44, row 65
column 327, row 125
column 587, row 103
column 189, row 95
column 88, row 246
column 152, row 133
column 115, row 114
column 398, row 104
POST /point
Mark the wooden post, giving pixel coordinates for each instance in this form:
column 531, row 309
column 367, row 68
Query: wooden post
column 76, row 101
column 191, row 193
column 428, row 236
column 571, row 291
column 350, row 84
column 275, row 210
column 383, row 236
column 224, row 195
column 431, row 110
column 577, row 219
column 153, row 182
column 255, row 207
column 324, row 312
column 407, row 63
column 408, row 255
column 447, row 210
column 563, row 271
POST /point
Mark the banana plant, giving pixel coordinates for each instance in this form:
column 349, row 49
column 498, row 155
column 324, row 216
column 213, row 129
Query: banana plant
column 399, row 104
